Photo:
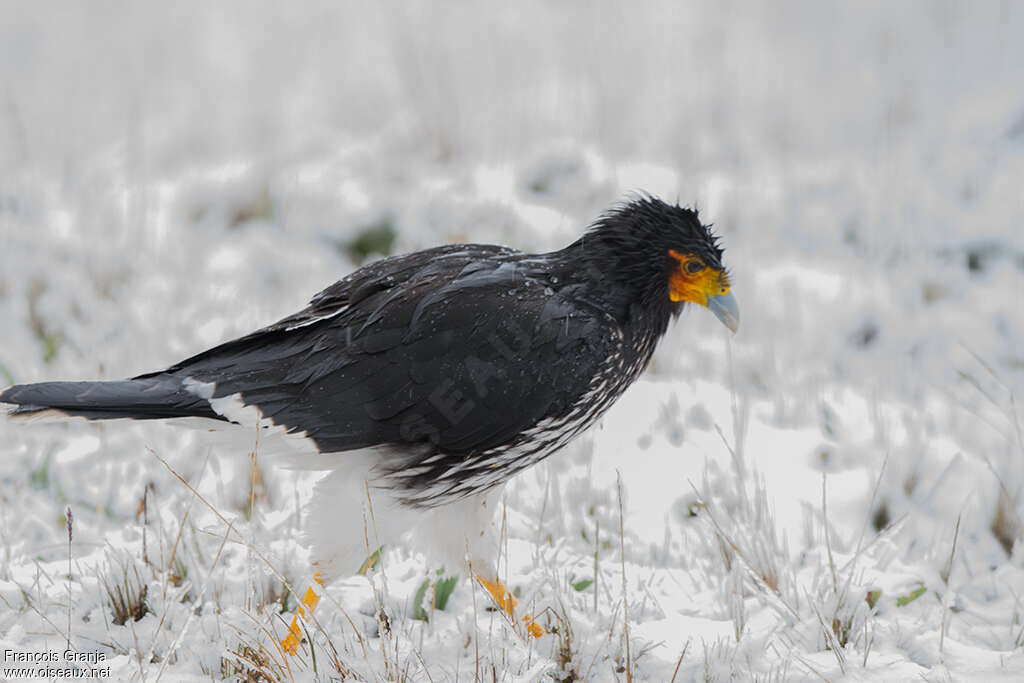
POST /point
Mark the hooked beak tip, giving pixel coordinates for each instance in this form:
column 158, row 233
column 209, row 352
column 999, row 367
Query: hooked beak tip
column 726, row 310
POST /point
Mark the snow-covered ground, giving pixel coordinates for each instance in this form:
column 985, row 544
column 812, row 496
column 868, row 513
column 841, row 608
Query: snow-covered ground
column 835, row 492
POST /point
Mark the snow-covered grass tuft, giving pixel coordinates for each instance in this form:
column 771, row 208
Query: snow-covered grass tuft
column 125, row 588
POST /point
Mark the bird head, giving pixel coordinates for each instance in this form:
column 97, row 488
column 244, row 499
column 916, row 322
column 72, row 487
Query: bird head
column 692, row 279
column 666, row 255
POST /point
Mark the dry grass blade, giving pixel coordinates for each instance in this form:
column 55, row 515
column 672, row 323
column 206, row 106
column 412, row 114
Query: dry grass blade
column 944, row 574
column 625, row 600
column 828, row 539
column 70, row 523
column 679, row 662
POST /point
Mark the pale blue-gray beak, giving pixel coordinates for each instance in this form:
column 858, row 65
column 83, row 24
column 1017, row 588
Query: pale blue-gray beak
column 726, row 309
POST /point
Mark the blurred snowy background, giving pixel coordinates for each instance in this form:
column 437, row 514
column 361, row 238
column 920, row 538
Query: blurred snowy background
column 172, row 175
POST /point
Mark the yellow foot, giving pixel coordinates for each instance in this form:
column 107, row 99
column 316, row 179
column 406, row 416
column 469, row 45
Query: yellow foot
column 507, row 602
column 305, row 609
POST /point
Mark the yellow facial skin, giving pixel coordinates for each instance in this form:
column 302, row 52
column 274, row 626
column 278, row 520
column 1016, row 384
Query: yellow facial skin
column 697, row 287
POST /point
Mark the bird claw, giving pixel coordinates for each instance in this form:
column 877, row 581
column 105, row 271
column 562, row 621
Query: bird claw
column 533, row 628
column 507, row 602
column 309, row 601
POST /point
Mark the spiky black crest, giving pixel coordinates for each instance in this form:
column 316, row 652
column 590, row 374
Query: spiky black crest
column 647, row 225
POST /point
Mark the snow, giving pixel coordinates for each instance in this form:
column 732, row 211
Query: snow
column 172, row 176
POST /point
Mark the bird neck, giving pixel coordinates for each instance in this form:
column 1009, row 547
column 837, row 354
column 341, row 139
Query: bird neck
column 622, row 285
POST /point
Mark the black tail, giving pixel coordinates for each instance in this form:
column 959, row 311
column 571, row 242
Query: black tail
column 150, row 398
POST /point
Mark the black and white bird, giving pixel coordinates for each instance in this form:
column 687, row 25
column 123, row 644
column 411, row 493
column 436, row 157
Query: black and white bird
column 426, row 381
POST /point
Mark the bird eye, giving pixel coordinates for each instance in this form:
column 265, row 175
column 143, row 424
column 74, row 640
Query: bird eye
column 694, row 267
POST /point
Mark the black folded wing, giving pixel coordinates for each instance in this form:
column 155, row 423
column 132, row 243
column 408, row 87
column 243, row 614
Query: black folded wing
column 461, row 349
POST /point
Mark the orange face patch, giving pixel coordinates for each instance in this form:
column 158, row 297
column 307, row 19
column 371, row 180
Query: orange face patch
column 694, row 281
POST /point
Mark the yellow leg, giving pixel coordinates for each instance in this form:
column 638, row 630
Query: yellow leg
column 305, row 609
column 507, row 602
